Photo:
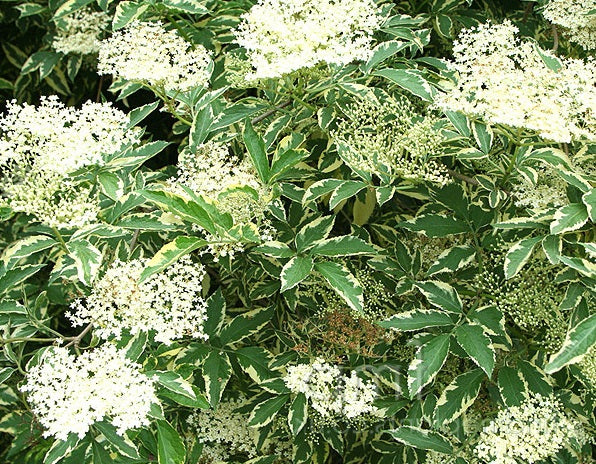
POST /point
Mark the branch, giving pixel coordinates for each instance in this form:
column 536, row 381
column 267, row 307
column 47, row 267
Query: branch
column 457, row 175
column 555, row 37
column 268, row 113
column 76, row 340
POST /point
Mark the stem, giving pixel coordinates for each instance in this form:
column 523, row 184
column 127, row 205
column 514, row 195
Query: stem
column 457, row 175
column 59, row 237
column 268, row 113
column 4, row 341
column 76, row 340
column 555, row 37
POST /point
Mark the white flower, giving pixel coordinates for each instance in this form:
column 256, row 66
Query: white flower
column 506, row 81
column 80, row 32
column 531, row 432
column 333, row 395
column 70, row 393
column 150, row 54
column 281, row 36
column 40, row 146
column 575, row 17
column 168, row 303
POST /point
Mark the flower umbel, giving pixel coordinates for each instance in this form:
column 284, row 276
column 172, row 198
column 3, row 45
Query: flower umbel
column 514, row 83
column 70, row 393
column 150, row 54
column 80, row 32
column 169, row 303
column 282, row 36
column 536, row 429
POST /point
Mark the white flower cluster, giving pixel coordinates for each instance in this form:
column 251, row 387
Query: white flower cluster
column 168, row 303
column 148, row 53
column 333, row 395
column 80, row 32
column 533, row 431
column 40, row 146
column 506, row 81
column 577, row 17
column 70, row 393
column 550, row 191
column 224, row 432
column 282, row 36
column 388, row 138
column 229, row 182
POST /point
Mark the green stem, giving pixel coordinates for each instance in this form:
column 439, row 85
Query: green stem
column 59, row 237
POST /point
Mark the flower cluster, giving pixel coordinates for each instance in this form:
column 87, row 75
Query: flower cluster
column 169, row 303
column 224, row 432
column 229, row 182
column 536, row 429
column 150, row 54
column 41, row 145
column 531, row 300
column 70, row 393
column 80, row 32
column 549, row 191
column 511, row 82
column 333, row 396
column 389, row 138
column 577, row 17
column 283, row 36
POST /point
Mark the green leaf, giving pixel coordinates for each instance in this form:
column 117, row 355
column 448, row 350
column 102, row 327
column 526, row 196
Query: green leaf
column 298, row 414
column 190, row 211
column 30, row 9
column 458, row 397
column 127, row 12
column 87, row 259
column 295, row 271
column 452, row 260
column 577, row 343
column 275, row 249
column 170, row 446
column 16, row 276
column 24, row 248
column 383, row 51
column 216, row 374
column 265, row 412
column 483, row 135
column 441, row 295
column 170, row 253
column 568, row 218
column 313, row 232
column 174, row 383
column 61, row 449
column 518, row 255
column 254, row 360
column 346, row 190
column 216, row 314
column 201, row 126
column 256, row 149
column 427, row 363
column 477, row 345
column 288, row 160
column 410, row 80
column 344, row 283
column 436, row 225
column 135, row 157
column 346, row 245
column 187, row 6
column 139, row 114
column 324, row 187
column 246, row 324
column 70, row 6
column 589, row 199
column 122, row 444
column 417, row 319
column 44, row 61
column 460, row 122
column 422, row 439
column 512, row 386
